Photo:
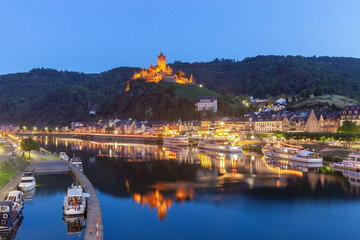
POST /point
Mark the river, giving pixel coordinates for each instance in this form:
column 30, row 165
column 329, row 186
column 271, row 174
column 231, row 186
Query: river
column 151, row 192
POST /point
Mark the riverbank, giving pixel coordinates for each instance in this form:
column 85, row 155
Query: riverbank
column 44, row 162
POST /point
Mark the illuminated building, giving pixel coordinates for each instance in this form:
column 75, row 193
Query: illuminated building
column 161, row 72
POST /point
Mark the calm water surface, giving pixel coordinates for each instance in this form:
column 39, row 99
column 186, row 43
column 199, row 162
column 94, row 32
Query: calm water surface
column 43, row 214
column 151, row 192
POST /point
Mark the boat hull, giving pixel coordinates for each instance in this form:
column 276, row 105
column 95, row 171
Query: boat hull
column 295, row 158
column 27, row 187
column 222, row 150
column 73, row 212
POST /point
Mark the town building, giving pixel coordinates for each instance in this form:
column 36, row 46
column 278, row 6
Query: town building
column 350, row 113
column 206, row 103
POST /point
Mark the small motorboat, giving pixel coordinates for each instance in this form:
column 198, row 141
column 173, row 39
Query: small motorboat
column 76, row 161
column 16, row 196
column 63, row 156
column 75, row 201
column 10, row 214
column 27, row 182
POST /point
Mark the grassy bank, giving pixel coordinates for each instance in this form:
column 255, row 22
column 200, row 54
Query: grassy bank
column 9, row 169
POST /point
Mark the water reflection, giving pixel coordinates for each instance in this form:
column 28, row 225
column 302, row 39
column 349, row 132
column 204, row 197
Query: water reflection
column 12, row 235
column 75, row 224
column 188, row 186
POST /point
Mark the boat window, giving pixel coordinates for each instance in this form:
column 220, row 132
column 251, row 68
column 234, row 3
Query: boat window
column 4, row 208
column 28, row 174
column 26, row 181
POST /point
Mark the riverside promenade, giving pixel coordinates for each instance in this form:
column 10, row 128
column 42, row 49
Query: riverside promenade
column 47, row 163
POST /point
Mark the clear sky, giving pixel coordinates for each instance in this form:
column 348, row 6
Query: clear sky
column 94, row 36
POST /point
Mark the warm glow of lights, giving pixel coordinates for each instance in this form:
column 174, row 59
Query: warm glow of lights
column 160, row 72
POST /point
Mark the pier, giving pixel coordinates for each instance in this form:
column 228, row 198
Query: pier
column 94, row 226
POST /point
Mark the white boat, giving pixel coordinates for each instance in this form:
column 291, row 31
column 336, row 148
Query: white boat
column 351, row 162
column 27, row 182
column 75, row 201
column 63, row 156
column 76, row 161
column 16, row 197
column 220, row 146
column 178, row 141
column 291, row 152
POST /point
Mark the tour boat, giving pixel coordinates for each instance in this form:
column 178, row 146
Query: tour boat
column 351, row 162
column 10, row 211
column 179, row 141
column 63, row 156
column 220, row 146
column 290, row 152
column 27, row 182
column 75, row 201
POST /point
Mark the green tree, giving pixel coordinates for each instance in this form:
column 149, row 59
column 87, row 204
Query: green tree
column 318, row 91
column 29, row 144
column 349, row 127
column 304, row 93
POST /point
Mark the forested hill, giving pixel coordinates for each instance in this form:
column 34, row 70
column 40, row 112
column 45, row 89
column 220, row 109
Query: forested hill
column 274, row 75
column 58, row 97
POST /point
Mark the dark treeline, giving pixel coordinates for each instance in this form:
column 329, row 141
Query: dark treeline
column 275, row 75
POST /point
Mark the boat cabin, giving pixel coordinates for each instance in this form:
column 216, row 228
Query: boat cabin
column 6, row 216
column 75, row 197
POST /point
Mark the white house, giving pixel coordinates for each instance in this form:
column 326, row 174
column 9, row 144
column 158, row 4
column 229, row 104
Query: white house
column 206, row 103
column 281, row 101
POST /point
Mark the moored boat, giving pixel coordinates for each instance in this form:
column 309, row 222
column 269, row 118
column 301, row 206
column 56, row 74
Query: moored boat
column 351, row 162
column 63, row 156
column 220, row 146
column 16, row 196
column 179, row 141
column 291, row 152
column 75, row 201
column 76, row 161
column 10, row 215
column 27, row 182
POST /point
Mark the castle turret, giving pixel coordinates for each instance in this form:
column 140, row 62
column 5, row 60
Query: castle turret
column 161, row 62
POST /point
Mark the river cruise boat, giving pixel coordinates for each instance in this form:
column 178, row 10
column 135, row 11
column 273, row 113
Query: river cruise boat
column 10, row 215
column 27, row 182
column 75, row 201
column 291, row 152
column 63, row 156
column 176, row 141
column 351, row 162
column 220, row 146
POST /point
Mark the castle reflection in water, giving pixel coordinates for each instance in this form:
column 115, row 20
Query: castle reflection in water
column 211, row 170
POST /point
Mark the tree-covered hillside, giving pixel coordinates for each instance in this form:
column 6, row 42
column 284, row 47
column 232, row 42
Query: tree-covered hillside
column 47, row 96
column 274, row 75
column 166, row 101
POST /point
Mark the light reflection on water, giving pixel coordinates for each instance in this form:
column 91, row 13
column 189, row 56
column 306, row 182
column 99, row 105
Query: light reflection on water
column 194, row 187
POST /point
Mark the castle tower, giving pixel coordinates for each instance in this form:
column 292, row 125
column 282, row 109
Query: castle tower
column 161, row 62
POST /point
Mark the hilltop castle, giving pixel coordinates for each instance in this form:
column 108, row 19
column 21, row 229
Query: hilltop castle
column 161, row 72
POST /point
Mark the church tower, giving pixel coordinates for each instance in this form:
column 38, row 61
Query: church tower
column 161, row 62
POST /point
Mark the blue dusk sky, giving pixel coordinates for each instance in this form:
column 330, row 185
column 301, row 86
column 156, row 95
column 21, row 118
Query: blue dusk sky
column 95, row 36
